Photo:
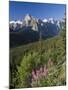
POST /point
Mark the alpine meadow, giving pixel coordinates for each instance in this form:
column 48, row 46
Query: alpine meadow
column 37, row 44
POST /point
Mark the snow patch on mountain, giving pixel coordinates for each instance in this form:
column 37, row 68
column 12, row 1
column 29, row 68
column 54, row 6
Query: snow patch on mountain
column 45, row 20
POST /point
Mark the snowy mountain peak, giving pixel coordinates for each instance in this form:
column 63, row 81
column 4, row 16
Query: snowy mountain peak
column 19, row 22
column 14, row 25
column 30, row 22
column 12, row 22
column 28, row 17
column 51, row 20
column 45, row 20
column 15, row 22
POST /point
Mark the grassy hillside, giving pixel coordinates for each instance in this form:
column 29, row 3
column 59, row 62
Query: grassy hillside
column 33, row 57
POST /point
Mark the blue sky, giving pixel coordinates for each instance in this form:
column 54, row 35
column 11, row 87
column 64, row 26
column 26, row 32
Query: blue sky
column 18, row 10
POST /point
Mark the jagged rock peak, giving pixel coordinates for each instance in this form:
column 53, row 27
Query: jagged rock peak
column 28, row 17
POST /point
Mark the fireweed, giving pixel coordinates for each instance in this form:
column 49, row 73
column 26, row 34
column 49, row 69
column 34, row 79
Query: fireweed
column 41, row 73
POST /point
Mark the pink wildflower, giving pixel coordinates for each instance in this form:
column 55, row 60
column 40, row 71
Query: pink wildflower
column 41, row 69
column 45, row 73
column 37, row 73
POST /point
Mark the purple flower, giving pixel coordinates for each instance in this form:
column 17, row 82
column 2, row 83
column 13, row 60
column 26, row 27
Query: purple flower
column 46, row 72
column 37, row 73
column 41, row 69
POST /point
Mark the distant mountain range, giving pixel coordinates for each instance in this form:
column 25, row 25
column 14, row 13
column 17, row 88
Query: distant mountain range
column 29, row 28
column 34, row 23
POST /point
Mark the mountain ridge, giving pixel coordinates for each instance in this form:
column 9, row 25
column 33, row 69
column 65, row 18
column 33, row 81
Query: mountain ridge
column 28, row 30
column 31, row 21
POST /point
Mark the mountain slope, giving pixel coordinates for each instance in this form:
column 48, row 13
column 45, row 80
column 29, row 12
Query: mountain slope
column 24, row 37
column 35, row 55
